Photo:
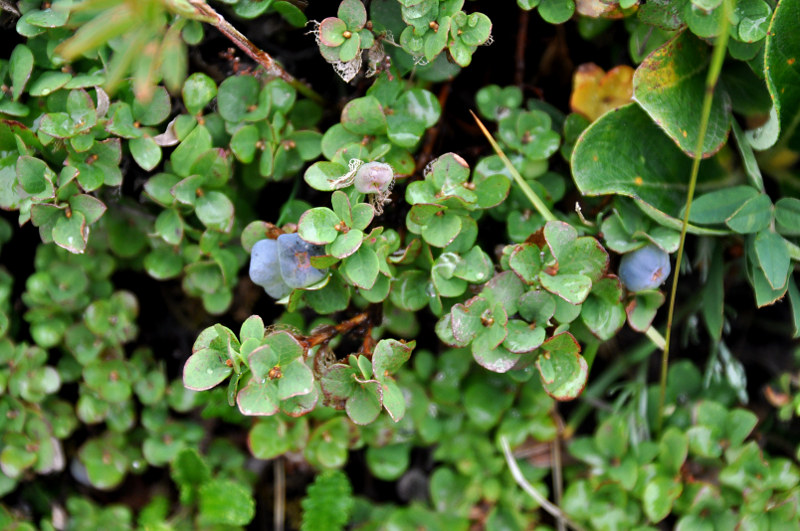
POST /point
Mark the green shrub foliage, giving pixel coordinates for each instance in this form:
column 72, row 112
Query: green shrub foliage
column 435, row 288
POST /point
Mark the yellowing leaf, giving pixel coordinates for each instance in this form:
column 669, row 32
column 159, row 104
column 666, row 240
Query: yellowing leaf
column 595, row 92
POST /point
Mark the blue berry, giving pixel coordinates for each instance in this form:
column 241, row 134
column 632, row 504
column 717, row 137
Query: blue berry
column 264, row 270
column 294, row 259
column 644, row 268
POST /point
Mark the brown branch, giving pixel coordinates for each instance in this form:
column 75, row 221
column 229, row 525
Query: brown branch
column 209, row 14
column 426, row 153
column 279, row 503
column 324, row 334
column 5, row 5
column 522, row 42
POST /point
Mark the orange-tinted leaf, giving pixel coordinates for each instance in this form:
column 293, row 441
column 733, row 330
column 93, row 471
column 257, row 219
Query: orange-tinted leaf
column 595, row 92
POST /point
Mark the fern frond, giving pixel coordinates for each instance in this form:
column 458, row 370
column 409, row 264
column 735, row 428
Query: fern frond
column 328, row 502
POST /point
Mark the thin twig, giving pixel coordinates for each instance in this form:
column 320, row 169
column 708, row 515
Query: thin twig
column 522, row 42
column 546, row 504
column 426, row 153
column 558, row 479
column 5, row 5
column 326, row 333
column 714, row 68
column 279, row 476
column 257, row 54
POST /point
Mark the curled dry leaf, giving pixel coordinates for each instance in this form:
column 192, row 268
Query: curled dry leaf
column 598, row 9
column 168, row 137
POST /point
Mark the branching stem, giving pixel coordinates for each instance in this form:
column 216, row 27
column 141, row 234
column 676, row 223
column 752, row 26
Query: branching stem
column 546, row 504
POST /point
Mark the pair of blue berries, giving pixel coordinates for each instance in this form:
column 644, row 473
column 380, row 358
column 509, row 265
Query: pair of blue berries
column 283, row 264
column 644, row 268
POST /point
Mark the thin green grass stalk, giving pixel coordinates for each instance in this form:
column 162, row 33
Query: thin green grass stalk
column 714, row 68
column 537, row 203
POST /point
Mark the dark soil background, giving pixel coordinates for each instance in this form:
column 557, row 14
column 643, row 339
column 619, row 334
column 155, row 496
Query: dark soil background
column 526, row 51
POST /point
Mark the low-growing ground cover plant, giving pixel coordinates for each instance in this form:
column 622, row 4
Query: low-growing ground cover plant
column 399, row 264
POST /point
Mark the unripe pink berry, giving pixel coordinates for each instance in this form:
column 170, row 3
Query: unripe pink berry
column 373, row 178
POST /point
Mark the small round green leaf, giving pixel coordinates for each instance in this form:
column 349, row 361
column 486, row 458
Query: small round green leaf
column 72, row 232
column 268, row 438
column 258, row 398
column 572, row 288
column 198, row 91
column 145, row 152
column 523, row 337
column 562, row 369
column 321, row 175
column 350, row 49
column 673, row 449
column 602, row 311
column 641, row 310
column 346, row 243
column 15, row 460
column 362, row 267
column 659, row 495
column 442, row 229
column 215, row 211
column 364, row 116
column 556, row 11
column 331, row 32
column 296, row 380
column 389, row 355
column 205, row 369
column 317, row 226
column 237, row 94
column 169, row 226
column 353, row 13
column 364, row 405
column 388, row 462
column 105, row 464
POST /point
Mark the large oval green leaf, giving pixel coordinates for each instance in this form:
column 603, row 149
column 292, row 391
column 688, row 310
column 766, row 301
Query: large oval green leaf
column 670, row 84
column 781, row 66
column 625, row 153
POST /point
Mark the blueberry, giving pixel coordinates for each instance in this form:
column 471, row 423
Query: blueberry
column 373, row 178
column 294, row 259
column 645, row 268
column 264, row 269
